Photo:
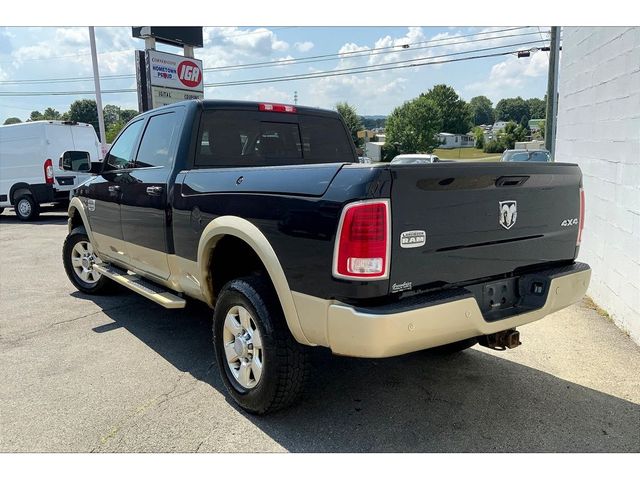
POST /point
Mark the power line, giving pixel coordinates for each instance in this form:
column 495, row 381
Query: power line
column 309, row 59
column 321, row 74
column 365, row 68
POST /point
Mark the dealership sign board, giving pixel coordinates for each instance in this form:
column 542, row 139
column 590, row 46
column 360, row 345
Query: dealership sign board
column 169, row 78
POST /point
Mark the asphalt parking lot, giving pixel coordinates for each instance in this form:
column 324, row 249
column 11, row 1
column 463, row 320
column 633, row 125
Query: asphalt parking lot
column 121, row 374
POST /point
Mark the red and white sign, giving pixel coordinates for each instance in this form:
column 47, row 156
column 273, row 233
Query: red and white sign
column 175, row 71
column 189, row 74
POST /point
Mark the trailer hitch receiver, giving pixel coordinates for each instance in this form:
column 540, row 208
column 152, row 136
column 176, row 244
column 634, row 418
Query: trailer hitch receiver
column 501, row 340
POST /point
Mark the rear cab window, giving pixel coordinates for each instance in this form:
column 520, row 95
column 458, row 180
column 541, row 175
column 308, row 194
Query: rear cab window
column 232, row 138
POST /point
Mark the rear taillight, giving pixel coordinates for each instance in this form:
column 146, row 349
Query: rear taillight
column 48, row 171
column 581, row 224
column 276, row 107
column 363, row 246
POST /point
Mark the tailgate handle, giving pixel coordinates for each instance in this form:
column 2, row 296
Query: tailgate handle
column 511, row 181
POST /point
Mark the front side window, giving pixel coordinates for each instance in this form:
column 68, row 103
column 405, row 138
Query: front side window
column 155, row 146
column 121, row 154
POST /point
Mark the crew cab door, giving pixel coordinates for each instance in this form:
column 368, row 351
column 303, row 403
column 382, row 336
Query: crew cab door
column 144, row 209
column 105, row 193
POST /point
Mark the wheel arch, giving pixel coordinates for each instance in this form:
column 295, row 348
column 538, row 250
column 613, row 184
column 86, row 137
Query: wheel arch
column 247, row 232
column 17, row 189
column 78, row 217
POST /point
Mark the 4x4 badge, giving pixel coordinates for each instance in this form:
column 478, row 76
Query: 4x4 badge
column 508, row 213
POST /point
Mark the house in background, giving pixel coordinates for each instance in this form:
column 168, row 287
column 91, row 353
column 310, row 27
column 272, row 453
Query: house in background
column 535, row 124
column 455, row 140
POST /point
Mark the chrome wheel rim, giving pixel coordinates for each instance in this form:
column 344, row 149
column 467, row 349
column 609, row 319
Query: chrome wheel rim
column 82, row 260
column 24, row 207
column 243, row 347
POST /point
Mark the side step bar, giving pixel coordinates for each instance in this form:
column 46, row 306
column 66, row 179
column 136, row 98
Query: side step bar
column 141, row 286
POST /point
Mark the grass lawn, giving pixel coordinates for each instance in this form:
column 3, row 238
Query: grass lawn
column 469, row 154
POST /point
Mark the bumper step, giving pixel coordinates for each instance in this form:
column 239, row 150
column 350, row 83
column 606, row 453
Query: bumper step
column 143, row 287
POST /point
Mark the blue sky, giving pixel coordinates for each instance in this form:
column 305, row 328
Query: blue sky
column 33, row 53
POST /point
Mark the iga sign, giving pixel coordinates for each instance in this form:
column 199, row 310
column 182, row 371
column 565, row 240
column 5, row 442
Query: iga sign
column 174, row 71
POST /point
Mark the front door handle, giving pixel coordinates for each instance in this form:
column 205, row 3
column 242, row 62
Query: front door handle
column 155, row 190
column 114, row 188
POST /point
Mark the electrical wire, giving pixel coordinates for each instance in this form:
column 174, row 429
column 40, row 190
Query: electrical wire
column 321, row 74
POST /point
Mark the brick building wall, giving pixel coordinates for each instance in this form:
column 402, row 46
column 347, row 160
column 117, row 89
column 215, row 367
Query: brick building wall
column 599, row 128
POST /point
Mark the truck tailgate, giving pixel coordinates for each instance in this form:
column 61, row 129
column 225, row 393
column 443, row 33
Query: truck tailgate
column 480, row 220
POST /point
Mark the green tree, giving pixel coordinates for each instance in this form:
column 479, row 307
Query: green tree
column 511, row 134
column 84, row 111
column 537, row 108
column 481, row 110
column 51, row 114
column 414, row 126
column 512, row 109
column 455, row 112
column 353, row 121
column 35, row 116
column 113, row 130
column 478, row 134
column 12, row 121
column 126, row 115
column 111, row 114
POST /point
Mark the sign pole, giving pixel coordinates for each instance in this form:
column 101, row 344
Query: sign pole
column 96, row 80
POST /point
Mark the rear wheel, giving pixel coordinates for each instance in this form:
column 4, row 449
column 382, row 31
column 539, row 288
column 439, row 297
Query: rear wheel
column 26, row 208
column 79, row 258
column 261, row 364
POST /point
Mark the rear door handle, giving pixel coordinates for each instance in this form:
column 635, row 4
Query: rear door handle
column 155, row 190
column 114, row 188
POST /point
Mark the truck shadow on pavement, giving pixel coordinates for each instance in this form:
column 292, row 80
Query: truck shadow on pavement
column 467, row 402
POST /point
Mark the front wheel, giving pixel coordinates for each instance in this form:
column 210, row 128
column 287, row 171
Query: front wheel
column 261, row 364
column 79, row 257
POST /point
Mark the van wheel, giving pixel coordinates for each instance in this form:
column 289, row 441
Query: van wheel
column 26, row 208
column 261, row 364
column 78, row 258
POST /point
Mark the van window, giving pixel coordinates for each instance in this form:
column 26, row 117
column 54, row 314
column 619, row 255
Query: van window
column 155, row 146
column 121, row 153
column 245, row 138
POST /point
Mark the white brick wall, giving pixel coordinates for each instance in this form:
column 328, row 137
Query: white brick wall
column 599, row 128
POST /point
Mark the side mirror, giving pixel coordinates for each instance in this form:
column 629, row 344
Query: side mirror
column 74, row 161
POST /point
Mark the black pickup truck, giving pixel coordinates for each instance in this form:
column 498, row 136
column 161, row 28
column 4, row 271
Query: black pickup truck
column 262, row 211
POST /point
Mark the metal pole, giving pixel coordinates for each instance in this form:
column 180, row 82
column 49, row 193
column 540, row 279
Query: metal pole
column 96, row 81
column 552, row 93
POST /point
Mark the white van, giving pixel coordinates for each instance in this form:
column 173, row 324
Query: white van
column 29, row 169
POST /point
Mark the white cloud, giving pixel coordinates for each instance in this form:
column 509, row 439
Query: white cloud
column 511, row 75
column 304, row 46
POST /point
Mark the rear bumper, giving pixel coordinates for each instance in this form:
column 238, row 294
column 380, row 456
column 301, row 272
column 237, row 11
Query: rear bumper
column 375, row 333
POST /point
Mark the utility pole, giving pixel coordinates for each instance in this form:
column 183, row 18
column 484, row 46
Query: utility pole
column 96, row 81
column 552, row 93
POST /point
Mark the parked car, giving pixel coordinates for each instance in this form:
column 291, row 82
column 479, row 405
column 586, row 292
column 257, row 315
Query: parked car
column 30, row 174
column 415, row 158
column 262, row 211
column 521, row 155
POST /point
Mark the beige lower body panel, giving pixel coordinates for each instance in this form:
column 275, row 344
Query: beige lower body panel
column 347, row 331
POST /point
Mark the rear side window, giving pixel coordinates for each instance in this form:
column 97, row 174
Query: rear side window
column 245, row 138
column 155, row 147
column 121, row 153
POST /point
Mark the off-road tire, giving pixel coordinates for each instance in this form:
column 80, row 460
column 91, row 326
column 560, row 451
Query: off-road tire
column 285, row 361
column 33, row 208
column 103, row 285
